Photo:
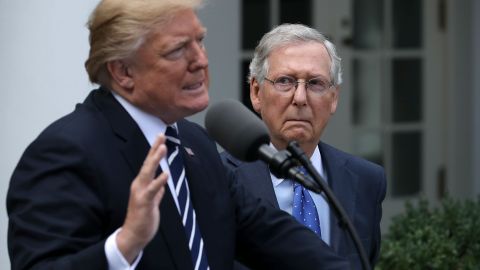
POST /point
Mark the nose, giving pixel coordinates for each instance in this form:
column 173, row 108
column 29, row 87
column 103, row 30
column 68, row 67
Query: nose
column 199, row 59
column 300, row 94
column 305, row 84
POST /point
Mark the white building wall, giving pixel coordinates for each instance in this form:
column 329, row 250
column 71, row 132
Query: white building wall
column 476, row 93
column 460, row 109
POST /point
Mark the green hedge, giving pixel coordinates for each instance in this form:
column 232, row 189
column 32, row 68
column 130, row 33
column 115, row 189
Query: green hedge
column 447, row 237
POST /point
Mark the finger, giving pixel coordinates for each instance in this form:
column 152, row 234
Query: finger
column 162, row 178
column 151, row 163
column 159, row 196
column 152, row 155
column 158, row 141
column 156, row 187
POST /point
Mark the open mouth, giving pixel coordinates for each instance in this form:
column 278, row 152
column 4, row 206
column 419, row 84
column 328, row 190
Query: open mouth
column 194, row 86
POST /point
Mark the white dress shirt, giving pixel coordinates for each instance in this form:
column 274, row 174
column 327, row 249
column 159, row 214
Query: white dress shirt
column 284, row 192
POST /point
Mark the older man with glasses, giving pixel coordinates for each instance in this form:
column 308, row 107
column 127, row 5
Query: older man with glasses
column 295, row 78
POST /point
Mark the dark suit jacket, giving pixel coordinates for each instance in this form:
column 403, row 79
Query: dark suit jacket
column 70, row 191
column 359, row 185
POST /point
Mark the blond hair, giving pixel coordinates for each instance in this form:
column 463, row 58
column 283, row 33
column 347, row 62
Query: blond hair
column 119, row 27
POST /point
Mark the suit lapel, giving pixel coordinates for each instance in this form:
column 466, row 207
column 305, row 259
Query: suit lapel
column 134, row 147
column 343, row 184
column 132, row 142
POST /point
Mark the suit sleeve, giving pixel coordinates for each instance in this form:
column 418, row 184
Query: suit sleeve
column 55, row 209
column 380, row 196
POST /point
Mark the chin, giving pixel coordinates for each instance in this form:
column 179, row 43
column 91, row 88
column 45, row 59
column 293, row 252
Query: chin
column 298, row 135
column 199, row 104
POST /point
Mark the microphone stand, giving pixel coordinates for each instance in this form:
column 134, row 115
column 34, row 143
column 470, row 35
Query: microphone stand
column 282, row 165
column 298, row 154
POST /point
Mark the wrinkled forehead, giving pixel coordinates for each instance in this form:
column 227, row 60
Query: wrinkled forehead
column 310, row 58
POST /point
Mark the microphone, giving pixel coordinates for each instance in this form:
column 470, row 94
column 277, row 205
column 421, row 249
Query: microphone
column 245, row 136
column 236, row 129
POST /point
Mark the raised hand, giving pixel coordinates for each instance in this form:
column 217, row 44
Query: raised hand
column 143, row 214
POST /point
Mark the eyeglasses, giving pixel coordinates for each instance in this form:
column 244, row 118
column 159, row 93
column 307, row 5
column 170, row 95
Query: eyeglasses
column 286, row 83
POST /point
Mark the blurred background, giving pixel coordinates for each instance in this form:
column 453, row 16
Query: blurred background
column 411, row 81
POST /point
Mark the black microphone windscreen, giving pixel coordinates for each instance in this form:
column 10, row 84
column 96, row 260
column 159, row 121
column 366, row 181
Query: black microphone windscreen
column 236, row 129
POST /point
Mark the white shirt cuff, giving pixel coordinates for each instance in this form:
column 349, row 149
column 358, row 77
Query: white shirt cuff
column 115, row 259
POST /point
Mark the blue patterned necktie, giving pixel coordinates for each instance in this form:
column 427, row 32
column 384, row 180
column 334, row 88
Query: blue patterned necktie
column 177, row 171
column 304, row 209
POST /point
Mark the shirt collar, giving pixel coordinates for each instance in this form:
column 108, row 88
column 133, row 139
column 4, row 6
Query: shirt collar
column 316, row 160
column 150, row 125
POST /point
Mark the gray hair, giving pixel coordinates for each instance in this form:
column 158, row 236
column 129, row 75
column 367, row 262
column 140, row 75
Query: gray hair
column 288, row 34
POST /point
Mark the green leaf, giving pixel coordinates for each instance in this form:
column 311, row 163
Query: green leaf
column 447, row 237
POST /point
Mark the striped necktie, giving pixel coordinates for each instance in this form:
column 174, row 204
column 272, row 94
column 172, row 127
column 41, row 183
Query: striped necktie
column 187, row 213
column 304, row 209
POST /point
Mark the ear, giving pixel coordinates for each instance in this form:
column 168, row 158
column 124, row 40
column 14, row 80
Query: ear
column 120, row 73
column 335, row 94
column 254, row 95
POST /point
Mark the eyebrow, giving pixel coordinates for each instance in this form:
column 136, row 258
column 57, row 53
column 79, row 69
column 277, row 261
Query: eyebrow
column 176, row 43
column 309, row 77
column 184, row 39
